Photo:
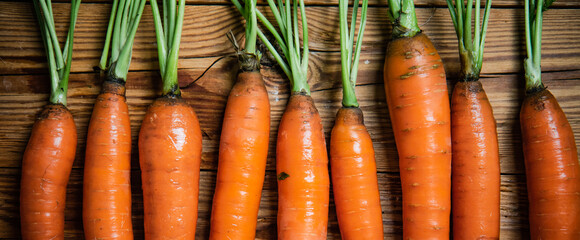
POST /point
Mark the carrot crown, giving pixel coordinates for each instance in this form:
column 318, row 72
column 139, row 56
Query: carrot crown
column 123, row 22
column 349, row 61
column 293, row 63
column 470, row 50
column 250, row 57
column 58, row 68
column 402, row 15
column 534, row 12
column 168, row 33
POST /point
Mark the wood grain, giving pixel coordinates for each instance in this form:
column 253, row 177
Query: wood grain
column 513, row 207
column 24, row 90
column 418, row 3
column 205, row 27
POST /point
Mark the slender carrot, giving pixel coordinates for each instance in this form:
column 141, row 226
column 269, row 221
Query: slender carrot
column 106, row 184
column 476, row 170
column 243, row 145
column 550, row 152
column 301, row 159
column 302, row 168
column 50, row 153
column 170, row 142
column 170, row 157
column 352, row 157
column 418, row 104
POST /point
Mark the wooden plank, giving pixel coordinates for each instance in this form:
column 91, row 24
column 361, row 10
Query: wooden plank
column 21, row 51
column 513, row 206
column 23, row 96
column 418, row 3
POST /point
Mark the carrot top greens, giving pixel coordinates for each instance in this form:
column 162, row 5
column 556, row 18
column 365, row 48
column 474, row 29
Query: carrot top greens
column 168, row 34
column 534, row 12
column 59, row 67
column 470, row 50
column 123, row 22
column 402, row 15
column 291, row 60
column 349, row 61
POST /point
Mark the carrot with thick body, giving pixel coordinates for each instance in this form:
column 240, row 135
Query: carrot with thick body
column 50, row 153
column 107, row 170
column 476, row 170
column 352, row 157
column 418, row 102
column 170, row 142
column 301, row 158
column 243, row 144
column 550, row 153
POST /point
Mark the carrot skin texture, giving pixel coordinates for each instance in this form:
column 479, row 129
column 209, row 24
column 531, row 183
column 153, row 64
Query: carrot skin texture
column 476, row 167
column 418, row 102
column 354, row 177
column 242, row 159
column 552, row 168
column 170, row 146
column 106, row 184
column 302, row 170
column 46, row 167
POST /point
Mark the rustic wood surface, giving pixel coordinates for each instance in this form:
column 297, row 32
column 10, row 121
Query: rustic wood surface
column 25, row 88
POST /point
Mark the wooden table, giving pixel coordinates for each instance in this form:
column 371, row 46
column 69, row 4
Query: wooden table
column 25, row 87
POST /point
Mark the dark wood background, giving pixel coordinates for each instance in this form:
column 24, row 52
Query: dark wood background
column 25, row 87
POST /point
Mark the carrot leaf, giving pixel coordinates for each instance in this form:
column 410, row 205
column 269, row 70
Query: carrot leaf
column 402, row 15
column 117, row 50
column 534, row 12
column 59, row 62
column 168, row 36
column 470, row 43
column 350, row 60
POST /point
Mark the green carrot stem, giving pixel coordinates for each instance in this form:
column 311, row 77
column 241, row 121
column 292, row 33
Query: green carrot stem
column 402, row 14
column 470, row 50
column 59, row 68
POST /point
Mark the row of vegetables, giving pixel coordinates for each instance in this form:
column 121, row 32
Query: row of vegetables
column 430, row 130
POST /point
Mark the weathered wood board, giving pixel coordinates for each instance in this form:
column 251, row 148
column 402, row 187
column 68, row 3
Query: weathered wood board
column 25, row 87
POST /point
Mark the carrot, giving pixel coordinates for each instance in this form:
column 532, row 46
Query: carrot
column 302, row 169
column 170, row 157
column 107, row 170
column 301, row 159
column 46, row 167
column 170, row 143
column 550, row 153
column 418, row 103
column 475, row 165
column 50, row 153
column 242, row 161
column 106, row 184
column 243, row 144
column 352, row 157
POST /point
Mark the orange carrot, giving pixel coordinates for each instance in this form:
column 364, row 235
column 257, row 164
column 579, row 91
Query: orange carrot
column 301, row 159
column 46, row 167
column 475, row 165
column 552, row 168
column 476, row 173
column 354, row 177
column 416, row 91
column 302, row 170
column 170, row 144
column 352, row 157
column 106, row 184
column 170, row 157
column 50, row 153
column 550, row 154
column 242, row 159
